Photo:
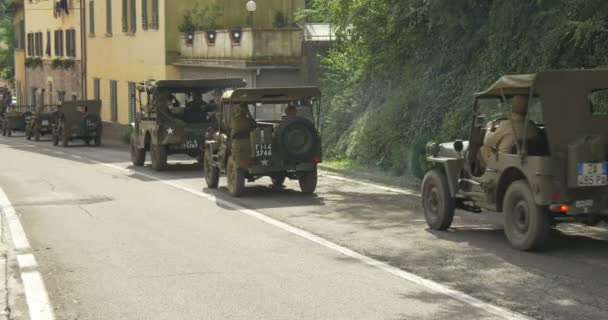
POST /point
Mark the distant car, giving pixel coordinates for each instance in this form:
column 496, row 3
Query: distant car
column 266, row 132
column 15, row 119
column 559, row 176
column 78, row 120
column 41, row 122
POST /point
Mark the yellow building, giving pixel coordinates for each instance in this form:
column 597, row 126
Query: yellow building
column 49, row 67
column 133, row 40
column 19, row 27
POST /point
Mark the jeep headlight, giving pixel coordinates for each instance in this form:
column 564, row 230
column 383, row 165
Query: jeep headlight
column 432, row 149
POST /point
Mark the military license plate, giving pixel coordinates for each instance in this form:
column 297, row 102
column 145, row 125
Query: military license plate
column 593, row 174
column 45, row 122
column 191, row 144
column 263, row 149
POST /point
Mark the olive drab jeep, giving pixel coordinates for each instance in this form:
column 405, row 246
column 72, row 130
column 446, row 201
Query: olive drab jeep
column 559, row 175
column 175, row 117
column 41, row 122
column 78, row 120
column 266, row 132
column 15, row 119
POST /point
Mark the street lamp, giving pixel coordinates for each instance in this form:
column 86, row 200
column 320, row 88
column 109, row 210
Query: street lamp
column 251, row 7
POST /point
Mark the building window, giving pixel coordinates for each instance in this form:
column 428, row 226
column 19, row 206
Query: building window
column 59, row 43
column 129, row 20
column 38, row 42
column 20, row 35
column 144, row 14
column 96, row 89
column 91, row 17
column 48, row 43
column 70, row 43
column 109, row 17
column 154, row 15
column 132, row 102
column 60, row 96
column 30, row 44
column 33, row 97
column 114, row 100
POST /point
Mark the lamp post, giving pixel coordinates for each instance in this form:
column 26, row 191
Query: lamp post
column 251, row 7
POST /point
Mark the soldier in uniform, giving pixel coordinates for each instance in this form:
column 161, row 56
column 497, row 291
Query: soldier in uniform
column 242, row 122
column 502, row 138
column 291, row 111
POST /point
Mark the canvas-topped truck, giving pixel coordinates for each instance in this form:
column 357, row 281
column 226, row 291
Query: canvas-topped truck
column 558, row 176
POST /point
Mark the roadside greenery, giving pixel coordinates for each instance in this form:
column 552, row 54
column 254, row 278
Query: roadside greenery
column 201, row 18
column 403, row 71
column 7, row 61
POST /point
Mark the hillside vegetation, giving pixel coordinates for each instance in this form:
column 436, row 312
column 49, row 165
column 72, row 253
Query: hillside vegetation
column 404, row 71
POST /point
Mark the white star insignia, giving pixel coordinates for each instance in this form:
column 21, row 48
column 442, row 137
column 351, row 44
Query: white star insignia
column 170, row 131
column 265, row 163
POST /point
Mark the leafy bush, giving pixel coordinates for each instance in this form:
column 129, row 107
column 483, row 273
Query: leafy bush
column 403, row 72
column 62, row 63
column 33, row 62
column 201, row 19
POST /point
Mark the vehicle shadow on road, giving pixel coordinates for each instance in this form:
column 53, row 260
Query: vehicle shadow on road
column 258, row 197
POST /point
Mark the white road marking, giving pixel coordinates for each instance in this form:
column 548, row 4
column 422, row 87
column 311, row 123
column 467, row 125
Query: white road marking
column 36, row 296
column 374, row 185
column 429, row 284
column 26, row 261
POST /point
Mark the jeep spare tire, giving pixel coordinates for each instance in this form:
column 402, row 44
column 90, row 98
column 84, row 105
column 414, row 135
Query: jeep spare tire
column 296, row 139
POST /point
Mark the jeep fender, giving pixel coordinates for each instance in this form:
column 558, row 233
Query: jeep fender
column 452, row 168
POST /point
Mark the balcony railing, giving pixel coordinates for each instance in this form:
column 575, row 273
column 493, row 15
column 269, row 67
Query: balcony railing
column 244, row 47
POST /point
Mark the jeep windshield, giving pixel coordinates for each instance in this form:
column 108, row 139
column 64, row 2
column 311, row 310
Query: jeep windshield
column 191, row 106
column 497, row 108
column 275, row 112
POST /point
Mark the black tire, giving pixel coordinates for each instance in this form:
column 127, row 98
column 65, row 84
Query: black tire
column 297, row 139
column 438, row 204
column 37, row 135
column 138, row 156
column 158, row 155
column 65, row 140
column 97, row 140
column 3, row 132
column 212, row 173
column 278, row 180
column 236, row 179
column 526, row 225
column 28, row 135
column 308, row 181
column 55, row 139
column 9, row 132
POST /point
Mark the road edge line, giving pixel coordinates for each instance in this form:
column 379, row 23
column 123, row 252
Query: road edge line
column 36, row 295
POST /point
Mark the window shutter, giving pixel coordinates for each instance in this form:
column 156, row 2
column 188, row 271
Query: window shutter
column 48, row 43
column 133, row 16
column 131, row 102
column 61, row 43
column 96, row 89
column 114, row 100
column 144, row 14
column 109, row 17
column 91, row 17
column 155, row 20
column 125, row 20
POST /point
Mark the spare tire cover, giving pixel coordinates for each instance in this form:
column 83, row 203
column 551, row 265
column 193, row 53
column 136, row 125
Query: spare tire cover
column 296, row 139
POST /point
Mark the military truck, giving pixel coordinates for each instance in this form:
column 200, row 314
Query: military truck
column 558, row 176
column 175, row 118
column 41, row 122
column 78, row 120
column 15, row 118
column 266, row 132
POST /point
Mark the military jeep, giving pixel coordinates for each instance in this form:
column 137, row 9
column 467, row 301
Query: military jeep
column 78, row 120
column 559, row 176
column 41, row 122
column 266, row 132
column 15, row 119
column 175, row 118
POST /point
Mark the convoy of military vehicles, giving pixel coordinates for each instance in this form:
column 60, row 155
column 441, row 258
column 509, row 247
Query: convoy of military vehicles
column 548, row 163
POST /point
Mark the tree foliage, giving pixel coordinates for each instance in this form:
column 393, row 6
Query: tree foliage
column 404, row 71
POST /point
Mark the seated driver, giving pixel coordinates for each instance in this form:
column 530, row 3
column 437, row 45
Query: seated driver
column 502, row 138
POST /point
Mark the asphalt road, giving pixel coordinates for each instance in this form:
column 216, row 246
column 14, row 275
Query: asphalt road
column 114, row 242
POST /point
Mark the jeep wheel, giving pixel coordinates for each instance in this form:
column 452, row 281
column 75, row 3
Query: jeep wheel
column 65, row 140
column 212, row 173
column 28, row 135
column 4, row 132
column 526, row 224
column 278, row 180
column 37, row 135
column 236, row 179
column 55, row 139
column 138, row 156
column 159, row 157
column 438, row 205
column 308, row 181
column 97, row 140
